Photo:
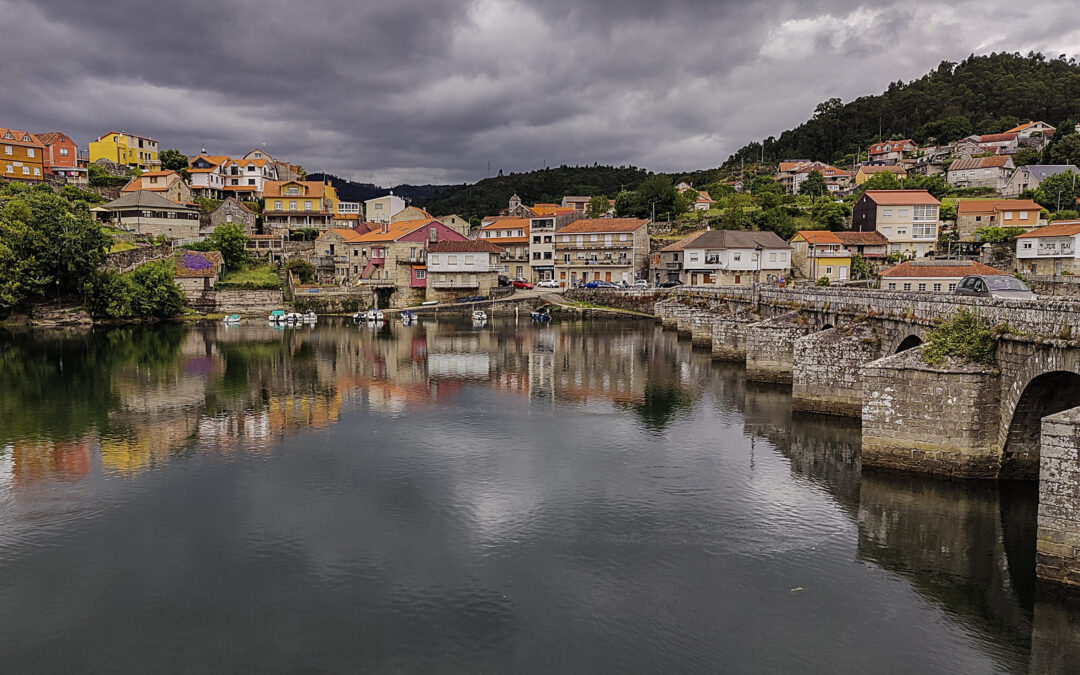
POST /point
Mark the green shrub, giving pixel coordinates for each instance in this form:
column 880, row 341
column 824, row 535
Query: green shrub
column 302, row 270
column 823, row 281
column 963, row 335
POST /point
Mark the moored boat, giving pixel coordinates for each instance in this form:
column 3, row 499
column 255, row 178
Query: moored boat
column 276, row 316
column 479, row 315
column 310, row 317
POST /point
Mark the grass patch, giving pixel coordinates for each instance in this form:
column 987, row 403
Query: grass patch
column 119, row 246
column 250, row 278
column 964, row 336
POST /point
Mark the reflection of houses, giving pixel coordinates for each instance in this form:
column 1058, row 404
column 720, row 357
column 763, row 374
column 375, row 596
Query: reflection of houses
column 42, row 459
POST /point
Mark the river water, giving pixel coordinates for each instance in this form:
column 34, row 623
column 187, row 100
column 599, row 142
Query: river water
column 508, row 498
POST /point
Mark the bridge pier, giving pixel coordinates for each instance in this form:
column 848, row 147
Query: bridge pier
column 930, row 419
column 827, row 370
column 729, row 338
column 1057, row 556
column 770, row 347
column 701, row 331
column 665, row 313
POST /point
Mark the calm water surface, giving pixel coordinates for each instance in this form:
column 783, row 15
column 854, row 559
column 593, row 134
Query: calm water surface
column 506, row 499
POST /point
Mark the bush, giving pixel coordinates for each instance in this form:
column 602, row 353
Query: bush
column 964, row 336
column 823, row 281
column 303, row 270
column 75, row 194
column 997, row 235
column 148, row 292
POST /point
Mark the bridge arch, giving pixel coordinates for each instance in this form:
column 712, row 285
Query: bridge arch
column 910, row 342
column 1044, row 394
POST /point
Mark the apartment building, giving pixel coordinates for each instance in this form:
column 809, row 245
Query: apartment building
column 140, row 152
column 21, row 156
column 602, row 249
column 908, row 219
column 512, row 236
column 296, row 204
column 735, row 258
column 1054, row 249
column 461, row 268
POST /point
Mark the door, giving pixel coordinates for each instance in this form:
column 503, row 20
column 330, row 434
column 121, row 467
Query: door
column 607, row 276
column 693, row 278
column 843, row 273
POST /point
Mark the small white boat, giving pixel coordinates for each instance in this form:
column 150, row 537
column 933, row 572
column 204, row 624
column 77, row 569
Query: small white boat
column 232, row 319
column 276, row 316
column 358, row 316
column 479, row 315
column 379, row 316
column 408, row 317
column 310, row 317
column 371, row 315
column 294, row 317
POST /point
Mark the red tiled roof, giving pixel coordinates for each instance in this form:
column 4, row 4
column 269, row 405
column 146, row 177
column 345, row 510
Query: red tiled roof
column 681, row 244
column 967, row 207
column 944, row 269
column 997, row 138
column 901, row 197
column 818, row 237
column 889, row 146
column 890, row 168
column 587, row 225
column 968, row 163
column 346, row 233
column 862, row 238
column 1062, row 228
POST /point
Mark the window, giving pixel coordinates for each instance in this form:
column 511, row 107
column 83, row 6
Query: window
column 566, row 258
column 892, row 285
column 593, row 237
column 623, row 237
column 307, row 205
column 433, row 234
column 886, row 213
column 828, row 269
column 10, row 169
column 451, row 260
column 235, row 182
column 536, row 240
column 902, row 213
column 937, row 287
column 29, row 152
column 277, row 205
column 421, row 274
column 251, row 181
column 952, row 287
column 378, row 206
column 293, row 190
column 37, row 170
column 26, row 171
column 63, row 152
column 468, row 260
column 1023, row 215
column 907, row 286
column 894, row 248
column 772, row 256
column 1008, row 215
column 922, row 287
column 1027, row 244
column 736, row 256
column 7, row 149
column 292, row 205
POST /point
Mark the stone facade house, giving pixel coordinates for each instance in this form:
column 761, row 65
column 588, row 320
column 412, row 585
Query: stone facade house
column 145, row 212
column 907, row 218
column 461, row 268
column 667, row 264
column 342, row 247
column 989, row 172
column 229, row 211
column 1054, row 249
column 603, row 249
column 512, row 236
column 396, row 253
column 1029, row 177
column 168, row 184
column 197, row 271
column 972, row 214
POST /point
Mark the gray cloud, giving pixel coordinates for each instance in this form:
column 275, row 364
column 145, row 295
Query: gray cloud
column 433, row 90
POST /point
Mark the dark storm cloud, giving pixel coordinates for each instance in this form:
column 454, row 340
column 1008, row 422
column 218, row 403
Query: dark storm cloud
column 418, row 90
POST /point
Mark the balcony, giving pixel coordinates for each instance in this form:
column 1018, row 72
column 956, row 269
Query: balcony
column 411, row 260
column 591, row 245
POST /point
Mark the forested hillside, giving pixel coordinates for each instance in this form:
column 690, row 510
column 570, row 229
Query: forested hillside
column 358, row 192
column 980, row 95
column 490, row 195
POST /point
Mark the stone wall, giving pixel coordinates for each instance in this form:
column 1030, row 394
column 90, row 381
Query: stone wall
column 729, row 337
column 1055, row 285
column 770, row 347
column 256, row 302
column 1057, row 557
column 827, row 371
column 926, row 419
column 635, row 300
column 126, row 261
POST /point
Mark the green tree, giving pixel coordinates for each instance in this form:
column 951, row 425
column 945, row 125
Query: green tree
column 761, row 185
column 860, row 268
column 997, row 235
column 173, row 160
column 1064, row 150
column 232, row 242
column 108, row 295
column 964, row 336
column 684, row 201
column 598, row 206
column 828, row 214
column 1026, row 157
column 303, row 270
column 777, row 220
column 628, row 204
column 882, row 180
column 1058, row 191
column 814, row 185
column 657, row 195
column 935, row 185
column 734, row 218
column 154, row 292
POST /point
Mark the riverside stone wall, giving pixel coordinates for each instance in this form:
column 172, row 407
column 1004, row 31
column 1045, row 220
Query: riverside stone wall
column 827, row 371
column 1060, row 286
column 126, row 261
column 1057, row 557
column 926, row 419
column 634, row 300
column 770, row 347
column 254, row 302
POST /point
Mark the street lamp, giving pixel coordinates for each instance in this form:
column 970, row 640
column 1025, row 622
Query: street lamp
column 757, row 273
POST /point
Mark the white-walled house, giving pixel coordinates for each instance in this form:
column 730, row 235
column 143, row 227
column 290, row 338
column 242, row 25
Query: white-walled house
column 735, row 257
column 1050, row 250
column 382, row 209
column 461, row 268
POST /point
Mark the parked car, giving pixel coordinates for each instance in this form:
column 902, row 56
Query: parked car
column 504, row 280
column 600, row 284
column 522, row 283
column 640, row 283
column 993, row 286
column 671, row 284
column 548, row 283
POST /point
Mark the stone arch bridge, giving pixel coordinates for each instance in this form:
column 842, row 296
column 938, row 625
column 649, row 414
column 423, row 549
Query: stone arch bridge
column 856, row 352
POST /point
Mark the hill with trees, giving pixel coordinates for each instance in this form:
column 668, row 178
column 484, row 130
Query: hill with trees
column 979, row 95
column 359, row 192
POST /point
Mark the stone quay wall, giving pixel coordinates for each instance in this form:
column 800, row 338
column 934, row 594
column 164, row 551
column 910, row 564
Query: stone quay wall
column 1057, row 552
column 635, row 300
column 248, row 303
column 927, row 419
column 1057, row 285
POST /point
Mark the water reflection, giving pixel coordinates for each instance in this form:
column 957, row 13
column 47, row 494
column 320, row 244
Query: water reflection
column 672, row 512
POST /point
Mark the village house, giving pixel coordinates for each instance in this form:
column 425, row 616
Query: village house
column 1037, row 129
column 342, row 247
column 666, row 265
column 138, row 152
column 931, row 276
column 870, row 245
column 866, row 171
column 785, row 172
column 271, row 246
column 168, row 184
column 61, row 158
column 735, row 258
column 21, row 156
column 836, row 180
column 207, row 176
column 295, row 204
column 907, row 218
column 820, row 254
column 972, row 214
column 411, row 213
column 196, row 272
column 348, row 214
column 990, row 172
column 511, row 235
column 456, row 223
column 1029, row 177
column 281, row 170
column 229, row 211
column 579, row 204
column 149, row 213
column 1000, row 144
column 891, row 152
column 382, row 209
column 397, row 253
column 1054, row 249
column 602, row 249
column 461, row 268
column 542, row 231
column 245, row 179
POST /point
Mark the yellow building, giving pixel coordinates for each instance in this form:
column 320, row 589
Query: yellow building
column 126, row 149
column 21, row 156
column 820, row 253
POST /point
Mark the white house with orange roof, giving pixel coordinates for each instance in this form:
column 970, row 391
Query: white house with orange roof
column 168, row 184
column 1054, row 249
column 907, row 218
column 931, row 276
column 1028, row 129
column 245, row 179
column 891, row 152
column 207, row 175
column 512, row 235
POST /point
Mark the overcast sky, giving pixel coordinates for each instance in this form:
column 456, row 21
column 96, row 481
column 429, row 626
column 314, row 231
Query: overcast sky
column 391, row 91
